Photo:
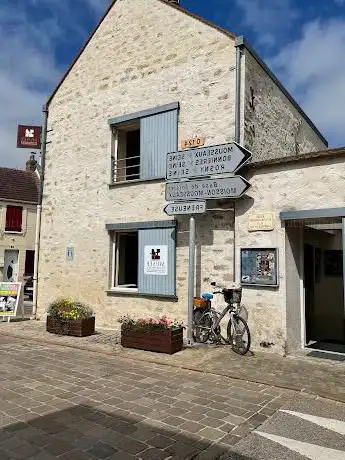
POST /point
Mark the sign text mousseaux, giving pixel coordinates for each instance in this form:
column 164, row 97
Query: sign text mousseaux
column 206, row 161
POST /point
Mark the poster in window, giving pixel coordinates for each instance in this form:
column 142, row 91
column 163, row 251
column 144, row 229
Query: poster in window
column 9, row 298
column 259, row 266
column 156, row 260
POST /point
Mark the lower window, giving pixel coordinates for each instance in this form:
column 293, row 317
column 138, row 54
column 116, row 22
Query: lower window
column 144, row 260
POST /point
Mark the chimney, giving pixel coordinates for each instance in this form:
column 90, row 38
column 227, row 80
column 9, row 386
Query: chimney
column 31, row 164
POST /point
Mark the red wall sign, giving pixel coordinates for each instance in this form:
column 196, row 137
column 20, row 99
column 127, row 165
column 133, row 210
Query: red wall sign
column 29, row 137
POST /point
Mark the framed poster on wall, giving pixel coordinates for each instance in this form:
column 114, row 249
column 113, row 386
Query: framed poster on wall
column 259, row 266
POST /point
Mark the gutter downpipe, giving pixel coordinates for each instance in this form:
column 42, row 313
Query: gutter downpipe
column 39, row 211
column 239, row 42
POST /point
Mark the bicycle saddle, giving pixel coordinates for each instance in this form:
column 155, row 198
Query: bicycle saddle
column 207, row 296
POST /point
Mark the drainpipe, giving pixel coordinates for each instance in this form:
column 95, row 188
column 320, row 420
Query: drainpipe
column 39, row 210
column 238, row 45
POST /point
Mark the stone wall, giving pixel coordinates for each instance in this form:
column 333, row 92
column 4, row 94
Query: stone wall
column 273, row 127
column 315, row 184
column 167, row 57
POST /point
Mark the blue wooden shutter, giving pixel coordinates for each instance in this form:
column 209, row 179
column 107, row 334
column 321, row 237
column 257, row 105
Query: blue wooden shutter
column 158, row 136
column 153, row 239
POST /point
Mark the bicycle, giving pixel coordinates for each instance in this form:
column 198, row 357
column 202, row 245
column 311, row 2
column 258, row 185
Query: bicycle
column 207, row 321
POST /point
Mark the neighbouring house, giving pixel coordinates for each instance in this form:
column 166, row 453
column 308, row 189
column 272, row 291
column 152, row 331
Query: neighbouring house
column 149, row 77
column 19, row 194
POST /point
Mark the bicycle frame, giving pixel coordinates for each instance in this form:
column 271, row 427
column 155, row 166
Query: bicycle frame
column 218, row 318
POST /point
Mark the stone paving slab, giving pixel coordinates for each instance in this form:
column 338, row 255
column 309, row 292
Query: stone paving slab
column 309, row 375
column 57, row 402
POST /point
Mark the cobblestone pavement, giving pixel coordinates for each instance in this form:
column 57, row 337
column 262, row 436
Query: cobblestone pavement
column 56, row 402
column 310, row 375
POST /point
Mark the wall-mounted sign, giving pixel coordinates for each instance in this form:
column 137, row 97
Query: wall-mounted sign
column 206, row 161
column 192, row 143
column 69, row 254
column 156, row 260
column 228, row 187
column 29, row 137
column 259, row 266
column 185, row 207
column 10, row 295
column 261, row 222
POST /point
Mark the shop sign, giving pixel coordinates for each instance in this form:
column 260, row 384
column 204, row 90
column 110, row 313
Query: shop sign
column 156, row 260
column 9, row 299
column 29, row 137
column 259, row 266
column 185, row 207
column 206, row 161
column 229, row 187
column 192, row 143
column 261, row 222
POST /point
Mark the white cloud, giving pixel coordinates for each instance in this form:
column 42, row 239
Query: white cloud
column 267, row 18
column 28, row 67
column 313, row 69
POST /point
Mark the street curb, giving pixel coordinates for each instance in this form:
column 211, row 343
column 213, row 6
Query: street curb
column 184, row 367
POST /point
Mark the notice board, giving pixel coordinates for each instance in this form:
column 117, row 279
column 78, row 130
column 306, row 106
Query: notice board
column 259, row 266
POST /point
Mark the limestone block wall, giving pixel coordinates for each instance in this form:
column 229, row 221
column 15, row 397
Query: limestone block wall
column 167, row 57
column 319, row 183
column 273, row 127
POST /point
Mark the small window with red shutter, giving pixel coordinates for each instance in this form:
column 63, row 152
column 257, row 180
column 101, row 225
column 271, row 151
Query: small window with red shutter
column 14, row 215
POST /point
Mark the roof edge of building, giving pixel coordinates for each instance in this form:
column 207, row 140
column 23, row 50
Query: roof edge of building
column 89, row 38
column 319, row 154
column 242, row 42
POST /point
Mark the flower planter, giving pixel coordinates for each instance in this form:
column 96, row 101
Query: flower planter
column 74, row 327
column 166, row 341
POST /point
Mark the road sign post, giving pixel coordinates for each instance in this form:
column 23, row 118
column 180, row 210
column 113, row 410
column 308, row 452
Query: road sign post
column 206, row 161
column 227, row 187
column 185, row 207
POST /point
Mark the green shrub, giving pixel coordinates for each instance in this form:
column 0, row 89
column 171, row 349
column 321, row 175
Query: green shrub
column 69, row 309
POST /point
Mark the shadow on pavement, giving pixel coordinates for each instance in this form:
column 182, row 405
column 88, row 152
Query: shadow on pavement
column 85, row 433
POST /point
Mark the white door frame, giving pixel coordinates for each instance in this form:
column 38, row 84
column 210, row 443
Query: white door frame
column 302, row 289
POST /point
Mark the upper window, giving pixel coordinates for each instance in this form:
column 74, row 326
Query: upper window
column 14, row 219
column 141, row 142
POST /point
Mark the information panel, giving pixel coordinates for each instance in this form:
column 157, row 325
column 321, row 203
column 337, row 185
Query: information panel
column 259, row 266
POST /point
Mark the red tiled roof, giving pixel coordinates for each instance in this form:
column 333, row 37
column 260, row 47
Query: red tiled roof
column 18, row 185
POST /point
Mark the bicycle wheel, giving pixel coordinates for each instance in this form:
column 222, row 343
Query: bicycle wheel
column 238, row 335
column 202, row 326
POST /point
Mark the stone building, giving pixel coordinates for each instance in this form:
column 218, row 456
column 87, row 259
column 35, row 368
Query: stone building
column 131, row 96
column 19, row 192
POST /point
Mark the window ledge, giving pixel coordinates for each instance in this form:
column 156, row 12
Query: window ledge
column 13, row 232
column 135, row 293
column 132, row 182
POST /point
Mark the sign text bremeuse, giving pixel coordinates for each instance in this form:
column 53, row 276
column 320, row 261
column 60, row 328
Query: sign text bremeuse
column 206, row 161
column 228, row 187
column 185, row 207
column 29, row 137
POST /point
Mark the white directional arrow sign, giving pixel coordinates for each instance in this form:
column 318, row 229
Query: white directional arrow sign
column 228, row 187
column 185, row 207
column 206, row 161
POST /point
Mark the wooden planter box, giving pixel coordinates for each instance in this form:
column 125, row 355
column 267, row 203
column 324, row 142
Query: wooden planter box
column 168, row 342
column 75, row 327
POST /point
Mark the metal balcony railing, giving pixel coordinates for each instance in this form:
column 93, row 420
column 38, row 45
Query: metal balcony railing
column 126, row 169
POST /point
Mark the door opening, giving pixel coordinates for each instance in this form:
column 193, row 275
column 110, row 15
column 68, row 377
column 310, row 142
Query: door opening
column 323, row 287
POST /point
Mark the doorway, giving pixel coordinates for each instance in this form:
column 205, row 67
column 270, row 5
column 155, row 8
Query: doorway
column 11, row 265
column 323, row 287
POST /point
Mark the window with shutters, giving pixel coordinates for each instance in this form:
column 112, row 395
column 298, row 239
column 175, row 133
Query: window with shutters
column 144, row 259
column 141, row 142
column 14, row 219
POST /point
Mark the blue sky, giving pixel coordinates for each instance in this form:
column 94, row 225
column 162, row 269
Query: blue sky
column 303, row 42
